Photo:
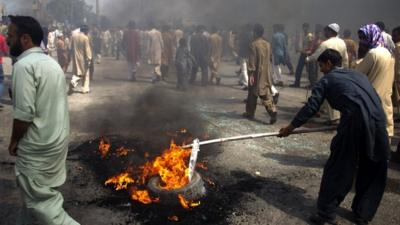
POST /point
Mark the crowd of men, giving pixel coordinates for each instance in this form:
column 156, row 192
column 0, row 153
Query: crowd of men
column 359, row 89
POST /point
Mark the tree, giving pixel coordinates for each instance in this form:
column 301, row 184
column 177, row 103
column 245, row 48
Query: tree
column 71, row 11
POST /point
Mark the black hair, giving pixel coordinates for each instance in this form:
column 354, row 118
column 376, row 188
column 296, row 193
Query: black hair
column 30, row 26
column 396, row 30
column 331, row 55
column 84, row 28
column 132, row 24
column 381, row 25
column 258, row 30
column 182, row 42
column 199, row 29
column 319, row 28
column 347, row 33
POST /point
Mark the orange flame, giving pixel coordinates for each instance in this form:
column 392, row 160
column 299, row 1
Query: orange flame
column 104, row 147
column 173, row 218
column 142, row 196
column 171, row 166
column 186, row 203
column 120, row 181
column 210, row 182
column 201, row 165
column 122, row 152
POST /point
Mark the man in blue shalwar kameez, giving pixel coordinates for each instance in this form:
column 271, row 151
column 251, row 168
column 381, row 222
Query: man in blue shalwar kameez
column 361, row 146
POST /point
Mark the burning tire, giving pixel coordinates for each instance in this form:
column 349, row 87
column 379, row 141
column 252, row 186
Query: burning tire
column 195, row 190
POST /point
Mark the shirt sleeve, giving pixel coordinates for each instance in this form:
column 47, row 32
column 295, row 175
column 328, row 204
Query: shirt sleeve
column 88, row 49
column 313, row 104
column 317, row 53
column 365, row 65
column 24, row 93
column 252, row 58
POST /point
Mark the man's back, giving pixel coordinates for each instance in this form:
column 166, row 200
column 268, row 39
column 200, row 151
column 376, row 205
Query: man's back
column 378, row 65
column 279, row 43
column 260, row 55
column 200, row 47
column 216, row 45
column 353, row 86
column 79, row 41
column 339, row 45
column 81, row 53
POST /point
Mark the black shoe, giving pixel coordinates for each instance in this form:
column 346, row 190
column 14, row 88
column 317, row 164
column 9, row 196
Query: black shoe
column 133, row 77
column 274, row 118
column 248, row 116
column 156, row 79
column 70, row 91
column 218, row 81
column 321, row 220
column 360, row 221
column 294, row 85
column 275, row 98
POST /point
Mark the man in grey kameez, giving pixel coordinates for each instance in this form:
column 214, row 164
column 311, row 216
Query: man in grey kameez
column 41, row 126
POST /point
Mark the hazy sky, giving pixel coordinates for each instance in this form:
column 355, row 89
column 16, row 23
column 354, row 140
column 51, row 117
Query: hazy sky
column 348, row 13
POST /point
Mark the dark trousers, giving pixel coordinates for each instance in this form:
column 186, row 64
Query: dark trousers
column 312, row 73
column 181, row 79
column 204, row 73
column 288, row 62
column 348, row 160
column 1, row 81
column 300, row 68
column 164, row 71
column 251, row 103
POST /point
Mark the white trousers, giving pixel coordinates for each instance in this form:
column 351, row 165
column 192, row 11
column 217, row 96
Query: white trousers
column 84, row 79
column 244, row 77
column 277, row 74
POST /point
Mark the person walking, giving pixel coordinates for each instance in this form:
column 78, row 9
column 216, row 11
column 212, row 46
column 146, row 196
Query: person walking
column 40, row 133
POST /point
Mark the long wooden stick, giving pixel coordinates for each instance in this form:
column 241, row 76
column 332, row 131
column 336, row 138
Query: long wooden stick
column 261, row 135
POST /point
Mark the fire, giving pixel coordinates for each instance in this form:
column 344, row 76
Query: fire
column 210, row 182
column 171, row 166
column 187, row 204
column 122, row 152
column 120, row 181
column 104, row 147
column 201, row 165
column 173, row 218
column 142, row 196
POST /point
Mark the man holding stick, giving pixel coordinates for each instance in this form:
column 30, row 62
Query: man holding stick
column 361, row 145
